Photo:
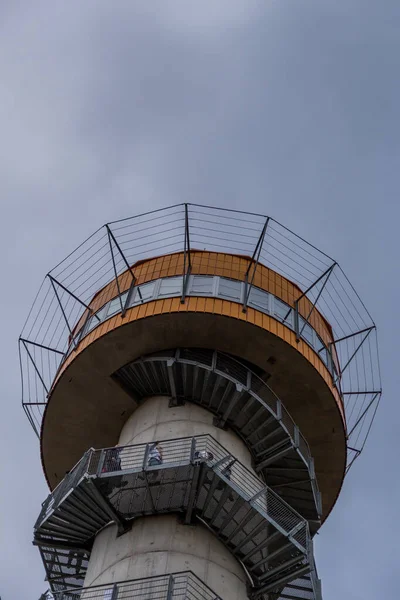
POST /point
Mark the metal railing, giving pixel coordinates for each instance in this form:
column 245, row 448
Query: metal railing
column 69, row 481
column 186, row 451
column 233, row 370
column 175, row 586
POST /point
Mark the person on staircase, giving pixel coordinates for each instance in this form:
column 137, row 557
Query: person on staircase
column 155, row 455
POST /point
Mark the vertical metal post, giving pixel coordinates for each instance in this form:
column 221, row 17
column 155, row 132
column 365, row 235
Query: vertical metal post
column 170, row 590
column 114, row 594
column 101, row 462
column 187, row 263
column 296, row 321
column 279, row 410
column 146, row 457
column 192, row 449
column 254, row 260
column 296, row 437
column 129, row 297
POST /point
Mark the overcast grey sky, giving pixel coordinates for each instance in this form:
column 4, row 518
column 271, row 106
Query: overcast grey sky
column 284, row 107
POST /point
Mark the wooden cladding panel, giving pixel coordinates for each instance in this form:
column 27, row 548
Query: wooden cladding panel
column 214, row 306
column 213, row 263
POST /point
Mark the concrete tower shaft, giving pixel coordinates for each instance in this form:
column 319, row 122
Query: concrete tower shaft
column 203, row 397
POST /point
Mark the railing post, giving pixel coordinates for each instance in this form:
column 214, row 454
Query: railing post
column 114, row 594
column 296, row 321
column 170, row 589
column 192, row 449
column 296, row 437
column 279, row 410
column 101, row 462
column 146, row 457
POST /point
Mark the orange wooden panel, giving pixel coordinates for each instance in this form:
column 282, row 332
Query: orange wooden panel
column 209, row 305
column 175, row 304
column 250, row 315
column 258, row 319
column 142, row 311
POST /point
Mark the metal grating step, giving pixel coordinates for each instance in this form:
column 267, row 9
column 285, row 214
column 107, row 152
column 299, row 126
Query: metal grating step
column 239, row 399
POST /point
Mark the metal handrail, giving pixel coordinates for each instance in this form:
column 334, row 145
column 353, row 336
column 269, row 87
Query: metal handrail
column 175, row 586
column 232, row 369
column 182, row 451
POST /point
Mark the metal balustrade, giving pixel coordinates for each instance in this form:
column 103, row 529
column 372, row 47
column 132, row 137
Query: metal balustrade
column 242, row 400
column 210, row 286
column 178, row 586
column 198, row 478
column 175, row 586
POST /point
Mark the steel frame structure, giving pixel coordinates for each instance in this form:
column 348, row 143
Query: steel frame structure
column 269, row 537
column 69, row 287
column 237, row 397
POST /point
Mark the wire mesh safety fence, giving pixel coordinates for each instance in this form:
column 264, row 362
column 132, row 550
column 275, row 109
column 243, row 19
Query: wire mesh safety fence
column 49, row 332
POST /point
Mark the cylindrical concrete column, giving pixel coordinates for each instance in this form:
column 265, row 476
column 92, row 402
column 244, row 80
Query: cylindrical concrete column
column 159, row 545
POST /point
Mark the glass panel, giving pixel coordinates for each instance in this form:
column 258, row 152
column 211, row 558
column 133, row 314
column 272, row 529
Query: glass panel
column 324, row 355
column 91, row 324
column 283, row 312
column 115, row 305
column 307, row 331
column 259, row 299
column 144, row 292
column 228, row 288
column 171, row 286
column 102, row 312
column 329, row 361
column 202, row 285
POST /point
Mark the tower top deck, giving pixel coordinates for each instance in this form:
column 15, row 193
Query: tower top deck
column 195, row 276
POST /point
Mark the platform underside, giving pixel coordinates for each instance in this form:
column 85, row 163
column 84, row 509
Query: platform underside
column 87, row 408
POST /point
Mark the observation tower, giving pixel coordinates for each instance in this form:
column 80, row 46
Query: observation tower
column 201, row 381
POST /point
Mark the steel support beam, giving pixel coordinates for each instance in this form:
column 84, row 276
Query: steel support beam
column 114, row 268
column 41, row 346
column 272, row 459
column 367, row 332
column 326, row 274
column 360, row 418
column 271, row 556
column 107, row 508
column 111, row 236
column 278, row 583
column 250, row 536
column 253, row 263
